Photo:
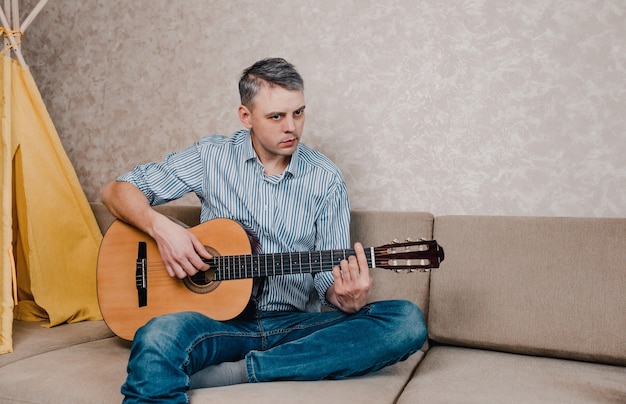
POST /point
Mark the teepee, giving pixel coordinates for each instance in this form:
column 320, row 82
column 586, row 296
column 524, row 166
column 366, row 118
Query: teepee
column 50, row 237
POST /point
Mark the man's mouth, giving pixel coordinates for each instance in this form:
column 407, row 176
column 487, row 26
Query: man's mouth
column 289, row 142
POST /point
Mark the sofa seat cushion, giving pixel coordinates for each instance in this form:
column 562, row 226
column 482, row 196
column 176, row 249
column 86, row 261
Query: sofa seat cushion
column 33, row 338
column 465, row 375
column 380, row 387
column 92, row 372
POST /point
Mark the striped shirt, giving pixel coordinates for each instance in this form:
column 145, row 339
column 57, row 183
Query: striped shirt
column 304, row 209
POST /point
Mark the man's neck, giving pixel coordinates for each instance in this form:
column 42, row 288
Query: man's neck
column 275, row 166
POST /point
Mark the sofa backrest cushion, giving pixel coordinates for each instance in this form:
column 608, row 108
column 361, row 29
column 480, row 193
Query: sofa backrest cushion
column 546, row 286
column 377, row 228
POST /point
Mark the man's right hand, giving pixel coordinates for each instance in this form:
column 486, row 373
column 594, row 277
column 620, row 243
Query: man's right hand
column 181, row 251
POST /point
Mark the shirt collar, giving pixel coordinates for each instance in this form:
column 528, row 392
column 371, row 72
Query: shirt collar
column 247, row 151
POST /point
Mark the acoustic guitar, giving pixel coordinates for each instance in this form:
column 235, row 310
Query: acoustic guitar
column 133, row 286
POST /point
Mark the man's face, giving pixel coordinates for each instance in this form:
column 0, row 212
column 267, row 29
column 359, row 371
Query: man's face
column 275, row 120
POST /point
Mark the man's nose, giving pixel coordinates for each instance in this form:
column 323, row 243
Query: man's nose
column 289, row 124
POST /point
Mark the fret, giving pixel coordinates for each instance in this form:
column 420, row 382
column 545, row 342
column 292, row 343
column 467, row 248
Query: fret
column 321, row 262
column 219, row 263
column 278, row 264
column 230, row 261
column 255, row 264
column 229, row 266
column 270, row 262
column 307, row 262
column 239, row 265
column 226, row 274
column 249, row 266
column 263, row 266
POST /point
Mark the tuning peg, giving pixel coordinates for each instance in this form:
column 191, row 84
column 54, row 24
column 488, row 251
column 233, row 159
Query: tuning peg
column 395, row 241
column 409, row 240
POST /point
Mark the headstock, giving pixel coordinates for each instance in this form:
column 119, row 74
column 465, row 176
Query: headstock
column 409, row 255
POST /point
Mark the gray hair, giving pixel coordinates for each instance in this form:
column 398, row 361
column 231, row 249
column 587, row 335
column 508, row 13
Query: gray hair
column 273, row 72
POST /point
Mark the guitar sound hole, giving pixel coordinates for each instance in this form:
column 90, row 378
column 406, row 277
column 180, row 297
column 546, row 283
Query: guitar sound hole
column 203, row 282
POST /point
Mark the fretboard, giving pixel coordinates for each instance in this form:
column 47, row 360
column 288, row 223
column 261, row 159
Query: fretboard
column 259, row 265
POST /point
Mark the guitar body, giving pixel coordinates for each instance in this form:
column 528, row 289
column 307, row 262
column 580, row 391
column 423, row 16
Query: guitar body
column 117, row 280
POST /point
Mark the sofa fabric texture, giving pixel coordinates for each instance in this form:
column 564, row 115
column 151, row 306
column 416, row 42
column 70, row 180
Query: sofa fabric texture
column 523, row 309
column 539, row 286
column 451, row 374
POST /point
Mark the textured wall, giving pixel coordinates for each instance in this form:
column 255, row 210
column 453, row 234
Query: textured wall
column 465, row 107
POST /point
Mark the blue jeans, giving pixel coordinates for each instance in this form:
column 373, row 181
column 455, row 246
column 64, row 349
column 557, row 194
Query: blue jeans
column 275, row 345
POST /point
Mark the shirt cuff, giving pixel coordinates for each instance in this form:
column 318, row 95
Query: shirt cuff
column 322, row 282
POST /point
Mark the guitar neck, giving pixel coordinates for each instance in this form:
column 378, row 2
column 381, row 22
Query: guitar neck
column 259, row 265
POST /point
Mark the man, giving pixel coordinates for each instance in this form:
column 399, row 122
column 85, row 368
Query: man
column 293, row 199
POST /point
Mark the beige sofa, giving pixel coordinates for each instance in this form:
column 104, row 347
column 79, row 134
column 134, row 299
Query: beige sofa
column 523, row 309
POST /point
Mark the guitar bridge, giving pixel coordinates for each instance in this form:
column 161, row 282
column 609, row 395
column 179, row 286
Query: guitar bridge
column 141, row 275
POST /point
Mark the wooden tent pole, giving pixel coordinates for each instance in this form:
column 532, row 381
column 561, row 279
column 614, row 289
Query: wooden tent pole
column 7, row 6
column 33, row 14
column 5, row 23
column 12, row 7
column 14, row 15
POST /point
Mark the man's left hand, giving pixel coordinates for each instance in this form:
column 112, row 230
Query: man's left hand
column 352, row 284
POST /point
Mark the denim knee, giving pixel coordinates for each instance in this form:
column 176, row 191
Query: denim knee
column 407, row 324
column 158, row 358
column 163, row 331
column 415, row 317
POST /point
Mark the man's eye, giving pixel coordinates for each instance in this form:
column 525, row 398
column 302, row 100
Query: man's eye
column 275, row 117
column 299, row 112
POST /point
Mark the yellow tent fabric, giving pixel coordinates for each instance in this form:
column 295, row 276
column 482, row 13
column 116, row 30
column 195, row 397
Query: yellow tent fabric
column 47, row 223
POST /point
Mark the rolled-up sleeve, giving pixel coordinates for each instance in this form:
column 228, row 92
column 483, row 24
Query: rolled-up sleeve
column 177, row 175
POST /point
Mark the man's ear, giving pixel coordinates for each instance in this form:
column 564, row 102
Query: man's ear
column 245, row 116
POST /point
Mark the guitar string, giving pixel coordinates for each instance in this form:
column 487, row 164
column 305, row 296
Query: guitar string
column 323, row 261
column 315, row 261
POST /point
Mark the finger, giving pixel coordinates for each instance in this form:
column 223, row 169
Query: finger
column 182, row 268
column 176, row 271
column 200, row 249
column 353, row 268
column 360, row 256
column 337, row 275
column 345, row 270
column 197, row 263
